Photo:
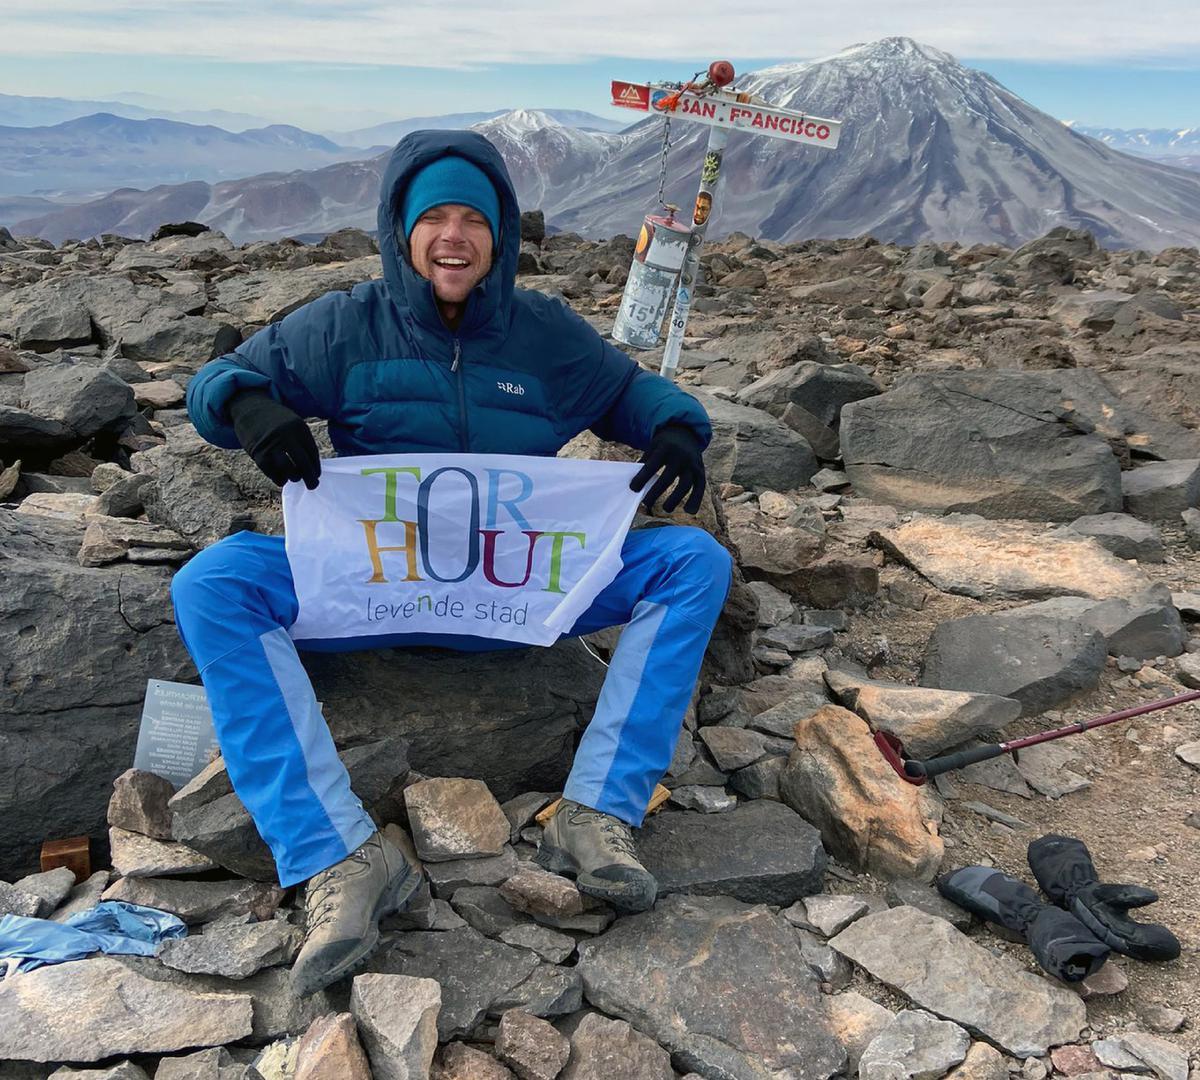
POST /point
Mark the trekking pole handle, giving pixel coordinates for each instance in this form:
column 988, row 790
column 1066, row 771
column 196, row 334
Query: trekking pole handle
column 949, row 762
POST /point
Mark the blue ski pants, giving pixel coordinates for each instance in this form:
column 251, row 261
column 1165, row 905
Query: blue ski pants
column 235, row 601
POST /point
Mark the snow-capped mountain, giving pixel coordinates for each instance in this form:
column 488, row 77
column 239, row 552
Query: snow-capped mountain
column 394, row 130
column 547, row 159
column 930, row 150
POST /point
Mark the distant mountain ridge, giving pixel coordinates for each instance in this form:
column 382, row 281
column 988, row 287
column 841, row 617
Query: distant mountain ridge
column 104, row 151
column 1171, row 146
column 17, row 110
column 930, row 150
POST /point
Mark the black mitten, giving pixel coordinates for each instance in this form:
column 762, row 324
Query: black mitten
column 1064, row 947
column 1063, row 868
column 677, row 454
column 276, row 438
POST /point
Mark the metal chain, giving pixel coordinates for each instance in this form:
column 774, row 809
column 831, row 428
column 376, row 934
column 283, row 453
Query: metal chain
column 662, row 171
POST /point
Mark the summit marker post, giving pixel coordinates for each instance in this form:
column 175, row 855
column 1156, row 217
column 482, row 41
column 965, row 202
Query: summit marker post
column 724, row 111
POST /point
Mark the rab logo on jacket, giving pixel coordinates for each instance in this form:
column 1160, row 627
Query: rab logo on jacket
column 485, row 545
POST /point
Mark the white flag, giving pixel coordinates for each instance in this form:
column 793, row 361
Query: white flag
column 490, row 545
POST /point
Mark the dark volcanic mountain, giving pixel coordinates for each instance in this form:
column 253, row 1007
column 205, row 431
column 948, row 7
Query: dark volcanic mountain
column 930, row 150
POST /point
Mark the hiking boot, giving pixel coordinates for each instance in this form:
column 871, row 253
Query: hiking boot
column 597, row 850
column 342, row 909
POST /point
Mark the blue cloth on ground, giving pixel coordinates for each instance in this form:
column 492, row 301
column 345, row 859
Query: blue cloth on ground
column 112, row 927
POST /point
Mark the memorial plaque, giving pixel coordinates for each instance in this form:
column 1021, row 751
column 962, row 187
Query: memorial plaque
column 176, row 739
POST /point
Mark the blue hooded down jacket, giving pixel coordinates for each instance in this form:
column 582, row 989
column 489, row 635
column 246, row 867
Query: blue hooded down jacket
column 522, row 374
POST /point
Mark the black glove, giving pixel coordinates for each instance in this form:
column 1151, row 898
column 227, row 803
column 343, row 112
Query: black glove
column 1064, row 869
column 276, row 438
column 676, row 450
column 1064, row 947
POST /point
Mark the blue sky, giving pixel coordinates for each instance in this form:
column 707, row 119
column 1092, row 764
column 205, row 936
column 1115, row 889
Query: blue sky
column 338, row 64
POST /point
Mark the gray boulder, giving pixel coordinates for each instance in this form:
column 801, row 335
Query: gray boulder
column 110, row 309
column 60, row 625
column 1161, row 490
column 755, row 450
column 822, row 390
column 1144, row 626
column 205, row 493
column 1191, row 525
column 720, row 984
column 760, row 853
column 509, row 718
column 61, row 405
column 1040, row 658
column 990, row 443
column 1124, row 536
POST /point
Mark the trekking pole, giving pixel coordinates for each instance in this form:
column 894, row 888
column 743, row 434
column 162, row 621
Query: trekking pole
column 917, row 772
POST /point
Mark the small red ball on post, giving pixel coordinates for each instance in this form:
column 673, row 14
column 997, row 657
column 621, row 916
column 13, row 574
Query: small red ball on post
column 720, row 73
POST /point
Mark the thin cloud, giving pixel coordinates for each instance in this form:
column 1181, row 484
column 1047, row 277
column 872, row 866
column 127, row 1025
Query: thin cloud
column 473, row 34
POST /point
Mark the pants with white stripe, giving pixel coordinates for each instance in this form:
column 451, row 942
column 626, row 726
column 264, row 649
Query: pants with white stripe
column 235, row 601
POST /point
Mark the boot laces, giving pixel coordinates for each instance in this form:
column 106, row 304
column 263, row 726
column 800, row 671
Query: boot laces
column 616, row 832
column 321, row 895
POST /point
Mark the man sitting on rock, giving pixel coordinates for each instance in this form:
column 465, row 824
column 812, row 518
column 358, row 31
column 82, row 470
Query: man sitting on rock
column 419, row 362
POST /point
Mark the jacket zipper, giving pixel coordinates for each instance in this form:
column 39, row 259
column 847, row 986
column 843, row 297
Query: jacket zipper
column 456, row 368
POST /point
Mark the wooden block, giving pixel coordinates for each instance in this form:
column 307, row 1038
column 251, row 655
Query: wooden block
column 75, row 853
column 659, row 796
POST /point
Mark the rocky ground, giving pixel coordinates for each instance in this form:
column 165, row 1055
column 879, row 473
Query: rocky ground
column 962, row 488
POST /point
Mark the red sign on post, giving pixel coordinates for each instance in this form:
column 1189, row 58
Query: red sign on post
column 627, row 95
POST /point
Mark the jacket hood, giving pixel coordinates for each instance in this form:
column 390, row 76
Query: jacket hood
column 491, row 299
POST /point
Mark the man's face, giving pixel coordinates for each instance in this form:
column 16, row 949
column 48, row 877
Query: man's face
column 451, row 245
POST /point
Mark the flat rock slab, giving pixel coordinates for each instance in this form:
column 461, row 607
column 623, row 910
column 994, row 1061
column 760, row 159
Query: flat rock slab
column 473, row 971
column 926, row 720
column 51, row 887
column 997, row 443
column 87, row 1010
column 942, row 970
column 989, row 560
column 234, row 951
column 1040, row 659
column 914, row 1045
column 197, row 901
column 762, row 852
column 720, row 984
column 134, row 855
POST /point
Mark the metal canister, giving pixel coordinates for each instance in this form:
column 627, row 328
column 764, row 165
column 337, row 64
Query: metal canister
column 661, row 248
